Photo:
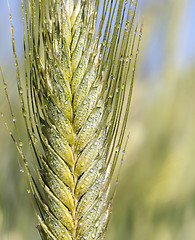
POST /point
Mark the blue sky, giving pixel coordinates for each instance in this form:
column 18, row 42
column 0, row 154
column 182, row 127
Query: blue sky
column 184, row 44
column 186, row 38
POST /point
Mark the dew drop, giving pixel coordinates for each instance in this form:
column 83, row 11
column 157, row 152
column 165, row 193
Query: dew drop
column 20, row 91
column 5, row 86
column 14, row 119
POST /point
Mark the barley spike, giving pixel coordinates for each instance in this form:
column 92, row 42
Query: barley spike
column 80, row 59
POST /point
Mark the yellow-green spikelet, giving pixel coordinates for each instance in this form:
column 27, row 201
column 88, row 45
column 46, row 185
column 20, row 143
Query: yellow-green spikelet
column 78, row 94
column 73, row 117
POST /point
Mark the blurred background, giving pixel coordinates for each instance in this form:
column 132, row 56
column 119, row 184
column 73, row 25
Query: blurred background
column 156, row 193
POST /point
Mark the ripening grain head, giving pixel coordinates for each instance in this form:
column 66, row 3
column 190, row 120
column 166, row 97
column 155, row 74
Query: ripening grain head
column 80, row 61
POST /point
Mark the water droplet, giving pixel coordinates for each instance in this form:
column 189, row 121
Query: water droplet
column 21, row 170
column 5, row 86
column 14, row 119
column 20, row 91
column 96, row 225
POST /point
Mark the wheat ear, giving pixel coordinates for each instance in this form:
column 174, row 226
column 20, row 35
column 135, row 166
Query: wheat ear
column 79, row 79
